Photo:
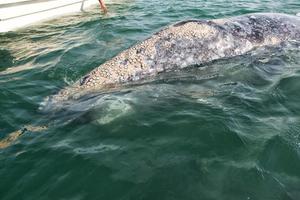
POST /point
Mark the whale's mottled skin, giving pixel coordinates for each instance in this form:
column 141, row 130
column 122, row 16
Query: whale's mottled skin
column 188, row 43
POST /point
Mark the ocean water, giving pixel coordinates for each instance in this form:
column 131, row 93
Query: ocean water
column 229, row 130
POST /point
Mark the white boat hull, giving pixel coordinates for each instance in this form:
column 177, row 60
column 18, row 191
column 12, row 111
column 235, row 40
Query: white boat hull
column 15, row 14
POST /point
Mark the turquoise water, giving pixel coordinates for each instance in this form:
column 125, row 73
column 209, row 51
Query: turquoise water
column 228, row 130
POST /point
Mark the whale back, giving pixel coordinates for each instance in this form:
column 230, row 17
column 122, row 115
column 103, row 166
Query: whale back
column 187, row 43
column 195, row 42
column 257, row 27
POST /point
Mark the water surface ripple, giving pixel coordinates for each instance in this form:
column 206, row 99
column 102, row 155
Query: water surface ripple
column 228, row 130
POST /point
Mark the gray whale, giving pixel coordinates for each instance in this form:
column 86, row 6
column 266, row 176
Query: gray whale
column 187, row 43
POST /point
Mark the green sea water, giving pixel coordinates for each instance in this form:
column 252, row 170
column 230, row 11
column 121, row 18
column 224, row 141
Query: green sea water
column 229, row 130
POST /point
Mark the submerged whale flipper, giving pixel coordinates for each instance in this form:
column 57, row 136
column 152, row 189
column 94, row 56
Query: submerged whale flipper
column 12, row 137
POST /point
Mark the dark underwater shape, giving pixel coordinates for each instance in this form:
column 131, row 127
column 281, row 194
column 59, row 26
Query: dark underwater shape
column 6, row 59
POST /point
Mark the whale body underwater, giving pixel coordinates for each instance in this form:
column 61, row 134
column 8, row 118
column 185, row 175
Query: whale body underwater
column 184, row 44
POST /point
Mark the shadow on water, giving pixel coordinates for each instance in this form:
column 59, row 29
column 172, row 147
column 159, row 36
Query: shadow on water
column 7, row 60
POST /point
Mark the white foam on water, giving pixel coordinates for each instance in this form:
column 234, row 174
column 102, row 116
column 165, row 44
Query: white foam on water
column 63, row 144
column 96, row 149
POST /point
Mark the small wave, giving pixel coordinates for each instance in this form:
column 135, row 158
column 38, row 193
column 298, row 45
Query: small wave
column 96, row 149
